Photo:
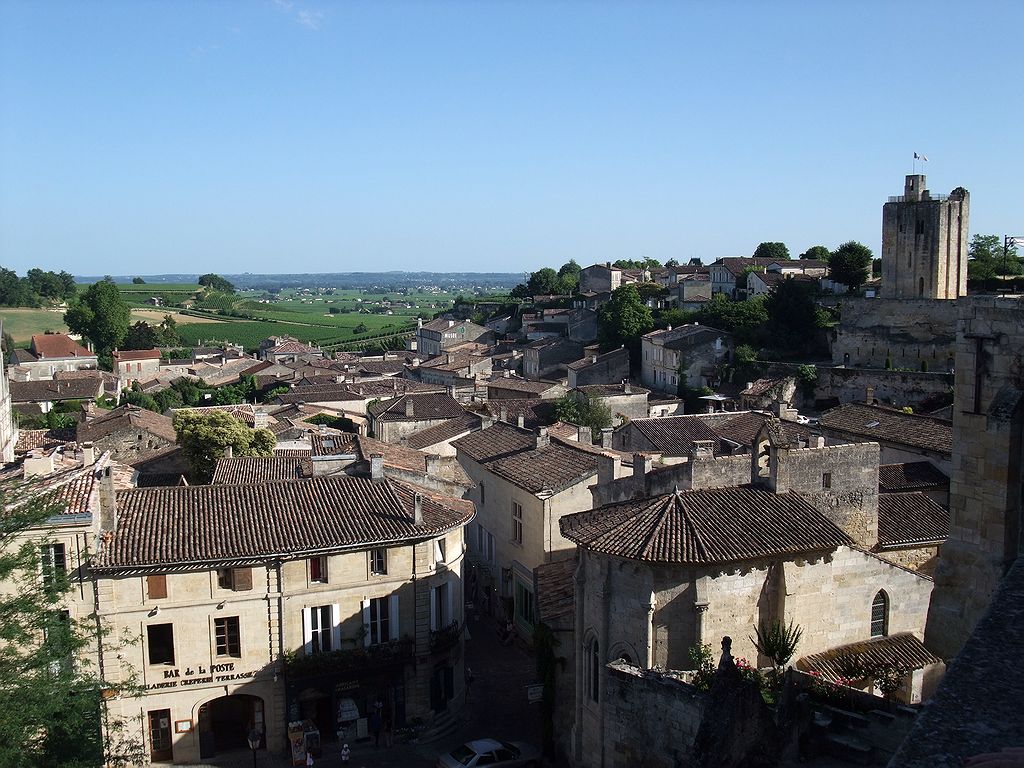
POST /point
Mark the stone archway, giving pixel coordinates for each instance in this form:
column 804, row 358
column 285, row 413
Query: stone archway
column 225, row 723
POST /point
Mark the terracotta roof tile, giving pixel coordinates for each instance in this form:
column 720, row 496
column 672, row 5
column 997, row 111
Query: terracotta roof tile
column 516, row 384
column 911, row 476
column 556, row 592
column 124, row 355
column 705, row 526
column 426, row 407
column 906, row 519
column 903, row 650
column 126, row 417
column 204, row 524
column 872, row 422
column 85, row 388
column 442, row 432
column 54, row 345
column 260, row 469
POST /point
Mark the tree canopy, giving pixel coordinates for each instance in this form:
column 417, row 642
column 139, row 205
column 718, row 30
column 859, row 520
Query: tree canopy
column 216, row 282
column 850, row 264
column 985, row 254
column 204, row 436
column 623, row 319
column 142, row 335
column 645, row 263
column 49, row 691
column 817, row 253
column 745, row 320
column 101, row 315
column 772, row 251
column 578, row 408
column 794, row 316
column 38, row 287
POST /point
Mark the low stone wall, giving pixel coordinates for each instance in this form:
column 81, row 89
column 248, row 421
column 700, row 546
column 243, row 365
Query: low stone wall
column 906, row 332
column 899, row 388
column 650, row 718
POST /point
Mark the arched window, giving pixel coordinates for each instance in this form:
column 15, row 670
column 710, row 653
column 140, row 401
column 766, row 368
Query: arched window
column 920, row 286
column 594, row 675
column 880, row 614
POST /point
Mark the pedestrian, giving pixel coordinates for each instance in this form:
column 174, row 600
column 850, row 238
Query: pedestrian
column 309, row 759
column 346, row 755
column 375, row 727
column 387, row 727
column 469, row 681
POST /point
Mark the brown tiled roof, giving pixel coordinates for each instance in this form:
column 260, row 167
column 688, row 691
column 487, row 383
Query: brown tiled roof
column 906, row 519
column 409, row 459
column 674, row 435
column 52, row 345
column 516, row 384
column 319, row 393
column 125, row 355
column 260, row 469
column 586, row 362
column 333, row 444
column 742, row 427
column 911, row 476
column 736, row 264
column 382, row 367
column 535, row 412
column 426, row 406
column 205, row 524
column 30, row 439
column 72, row 488
column 293, row 453
column 873, row 422
column 23, row 356
column 500, row 439
column 705, row 526
column 762, row 386
column 902, row 651
column 291, row 348
column 556, row 592
column 441, row 432
column 393, row 387
column 45, row 391
column 611, row 390
column 243, row 412
column 127, row 417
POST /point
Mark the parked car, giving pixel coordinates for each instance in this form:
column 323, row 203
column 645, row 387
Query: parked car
column 501, row 754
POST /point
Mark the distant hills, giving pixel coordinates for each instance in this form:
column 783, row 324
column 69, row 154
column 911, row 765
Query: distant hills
column 452, row 281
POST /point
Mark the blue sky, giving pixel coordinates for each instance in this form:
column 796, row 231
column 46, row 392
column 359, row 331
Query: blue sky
column 294, row 135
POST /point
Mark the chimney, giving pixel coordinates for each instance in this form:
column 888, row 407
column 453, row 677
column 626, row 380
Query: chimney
column 415, row 362
column 749, row 384
column 433, row 465
column 107, row 499
column 584, row 435
column 521, row 421
column 542, row 437
column 38, row 463
column 642, row 464
column 259, row 419
column 816, row 441
column 503, row 413
column 627, row 388
column 229, row 452
column 507, row 373
column 419, row 322
column 703, row 449
column 607, row 468
column 88, row 454
column 376, row 466
column 451, row 323
column 338, row 379
column 409, row 409
column 869, row 395
column 606, row 437
column 593, row 358
column 417, row 509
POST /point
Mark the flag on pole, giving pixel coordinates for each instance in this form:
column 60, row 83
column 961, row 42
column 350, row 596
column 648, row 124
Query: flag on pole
column 920, row 157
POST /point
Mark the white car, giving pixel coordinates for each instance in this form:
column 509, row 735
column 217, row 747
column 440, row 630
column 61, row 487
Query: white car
column 502, row 754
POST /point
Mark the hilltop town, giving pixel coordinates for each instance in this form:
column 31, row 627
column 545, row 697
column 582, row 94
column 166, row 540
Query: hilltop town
column 762, row 511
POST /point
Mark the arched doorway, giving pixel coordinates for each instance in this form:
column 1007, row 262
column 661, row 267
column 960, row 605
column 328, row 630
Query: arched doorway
column 225, row 723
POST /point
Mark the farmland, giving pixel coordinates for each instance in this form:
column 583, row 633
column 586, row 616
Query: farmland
column 22, row 323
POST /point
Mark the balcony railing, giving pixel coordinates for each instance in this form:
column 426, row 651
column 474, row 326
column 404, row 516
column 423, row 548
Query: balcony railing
column 446, row 637
column 922, row 198
column 353, row 659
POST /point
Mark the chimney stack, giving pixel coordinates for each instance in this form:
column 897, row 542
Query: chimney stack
column 521, row 421
column 542, row 437
column 607, row 468
column 869, row 395
column 376, row 466
column 627, row 388
column 584, row 435
column 38, row 463
column 107, row 499
column 606, row 437
column 259, row 419
column 503, row 413
column 229, row 452
column 409, row 411
column 88, row 454
column 417, row 506
column 642, row 464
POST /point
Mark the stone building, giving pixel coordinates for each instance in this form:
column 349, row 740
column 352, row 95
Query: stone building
column 136, row 365
column 394, row 420
column 436, row 336
column 8, row 427
column 549, row 357
column 924, row 243
column 47, row 354
column 624, row 400
column 689, row 355
column 916, row 334
column 128, row 432
column 903, row 436
column 297, row 600
column 609, row 368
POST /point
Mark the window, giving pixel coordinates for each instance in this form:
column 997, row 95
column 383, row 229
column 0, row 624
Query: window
column 318, row 570
column 440, row 607
column 826, row 480
column 439, row 551
column 227, row 636
column 161, row 643
column 880, row 614
column 156, row 586
column 483, row 494
column 379, row 561
column 524, row 604
column 517, row 523
column 490, row 548
column 593, row 670
column 54, row 562
column 380, row 624
column 320, row 629
column 235, row 579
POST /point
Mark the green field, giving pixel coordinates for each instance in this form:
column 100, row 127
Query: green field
column 250, row 333
column 22, row 323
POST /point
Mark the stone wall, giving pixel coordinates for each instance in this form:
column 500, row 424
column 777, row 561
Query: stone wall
column 611, row 368
column 650, row 718
column 896, row 388
column 906, row 332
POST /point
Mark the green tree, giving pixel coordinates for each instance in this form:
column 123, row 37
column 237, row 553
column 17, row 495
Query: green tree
column 141, row 336
column 204, row 436
column 745, row 320
column 850, row 264
column 543, row 282
column 772, row 251
column 817, row 253
column 49, row 691
column 985, row 254
column 216, row 283
column 778, row 642
column 101, row 315
column 138, row 281
column 672, row 263
column 623, row 319
column 585, row 411
column 793, row 314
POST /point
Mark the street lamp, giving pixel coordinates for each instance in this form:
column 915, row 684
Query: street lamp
column 254, row 744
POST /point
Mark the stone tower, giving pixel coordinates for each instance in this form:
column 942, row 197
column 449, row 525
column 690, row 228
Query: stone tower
column 924, row 243
column 8, row 429
column 987, row 481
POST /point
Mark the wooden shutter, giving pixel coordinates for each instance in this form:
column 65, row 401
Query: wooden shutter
column 433, row 609
column 393, row 616
column 156, row 586
column 366, row 623
column 335, row 627
column 242, row 579
column 307, row 631
column 449, row 618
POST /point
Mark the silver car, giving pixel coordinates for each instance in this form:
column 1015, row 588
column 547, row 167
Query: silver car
column 502, row 754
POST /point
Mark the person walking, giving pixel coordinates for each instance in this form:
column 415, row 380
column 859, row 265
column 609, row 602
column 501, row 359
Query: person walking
column 346, row 755
column 387, row 726
column 375, row 727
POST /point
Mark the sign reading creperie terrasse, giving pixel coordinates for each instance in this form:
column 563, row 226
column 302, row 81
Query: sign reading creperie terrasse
column 218, row 673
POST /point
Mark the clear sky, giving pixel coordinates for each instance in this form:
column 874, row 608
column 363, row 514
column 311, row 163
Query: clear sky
column 298, row 135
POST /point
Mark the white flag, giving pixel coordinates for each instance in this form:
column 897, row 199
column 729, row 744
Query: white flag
column 925, row 158
column 920, row 157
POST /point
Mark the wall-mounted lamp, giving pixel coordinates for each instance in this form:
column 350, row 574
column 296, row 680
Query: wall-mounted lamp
column 220, row 605
column 155, row 611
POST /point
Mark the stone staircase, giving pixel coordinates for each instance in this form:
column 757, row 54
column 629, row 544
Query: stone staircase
column 861, row 738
